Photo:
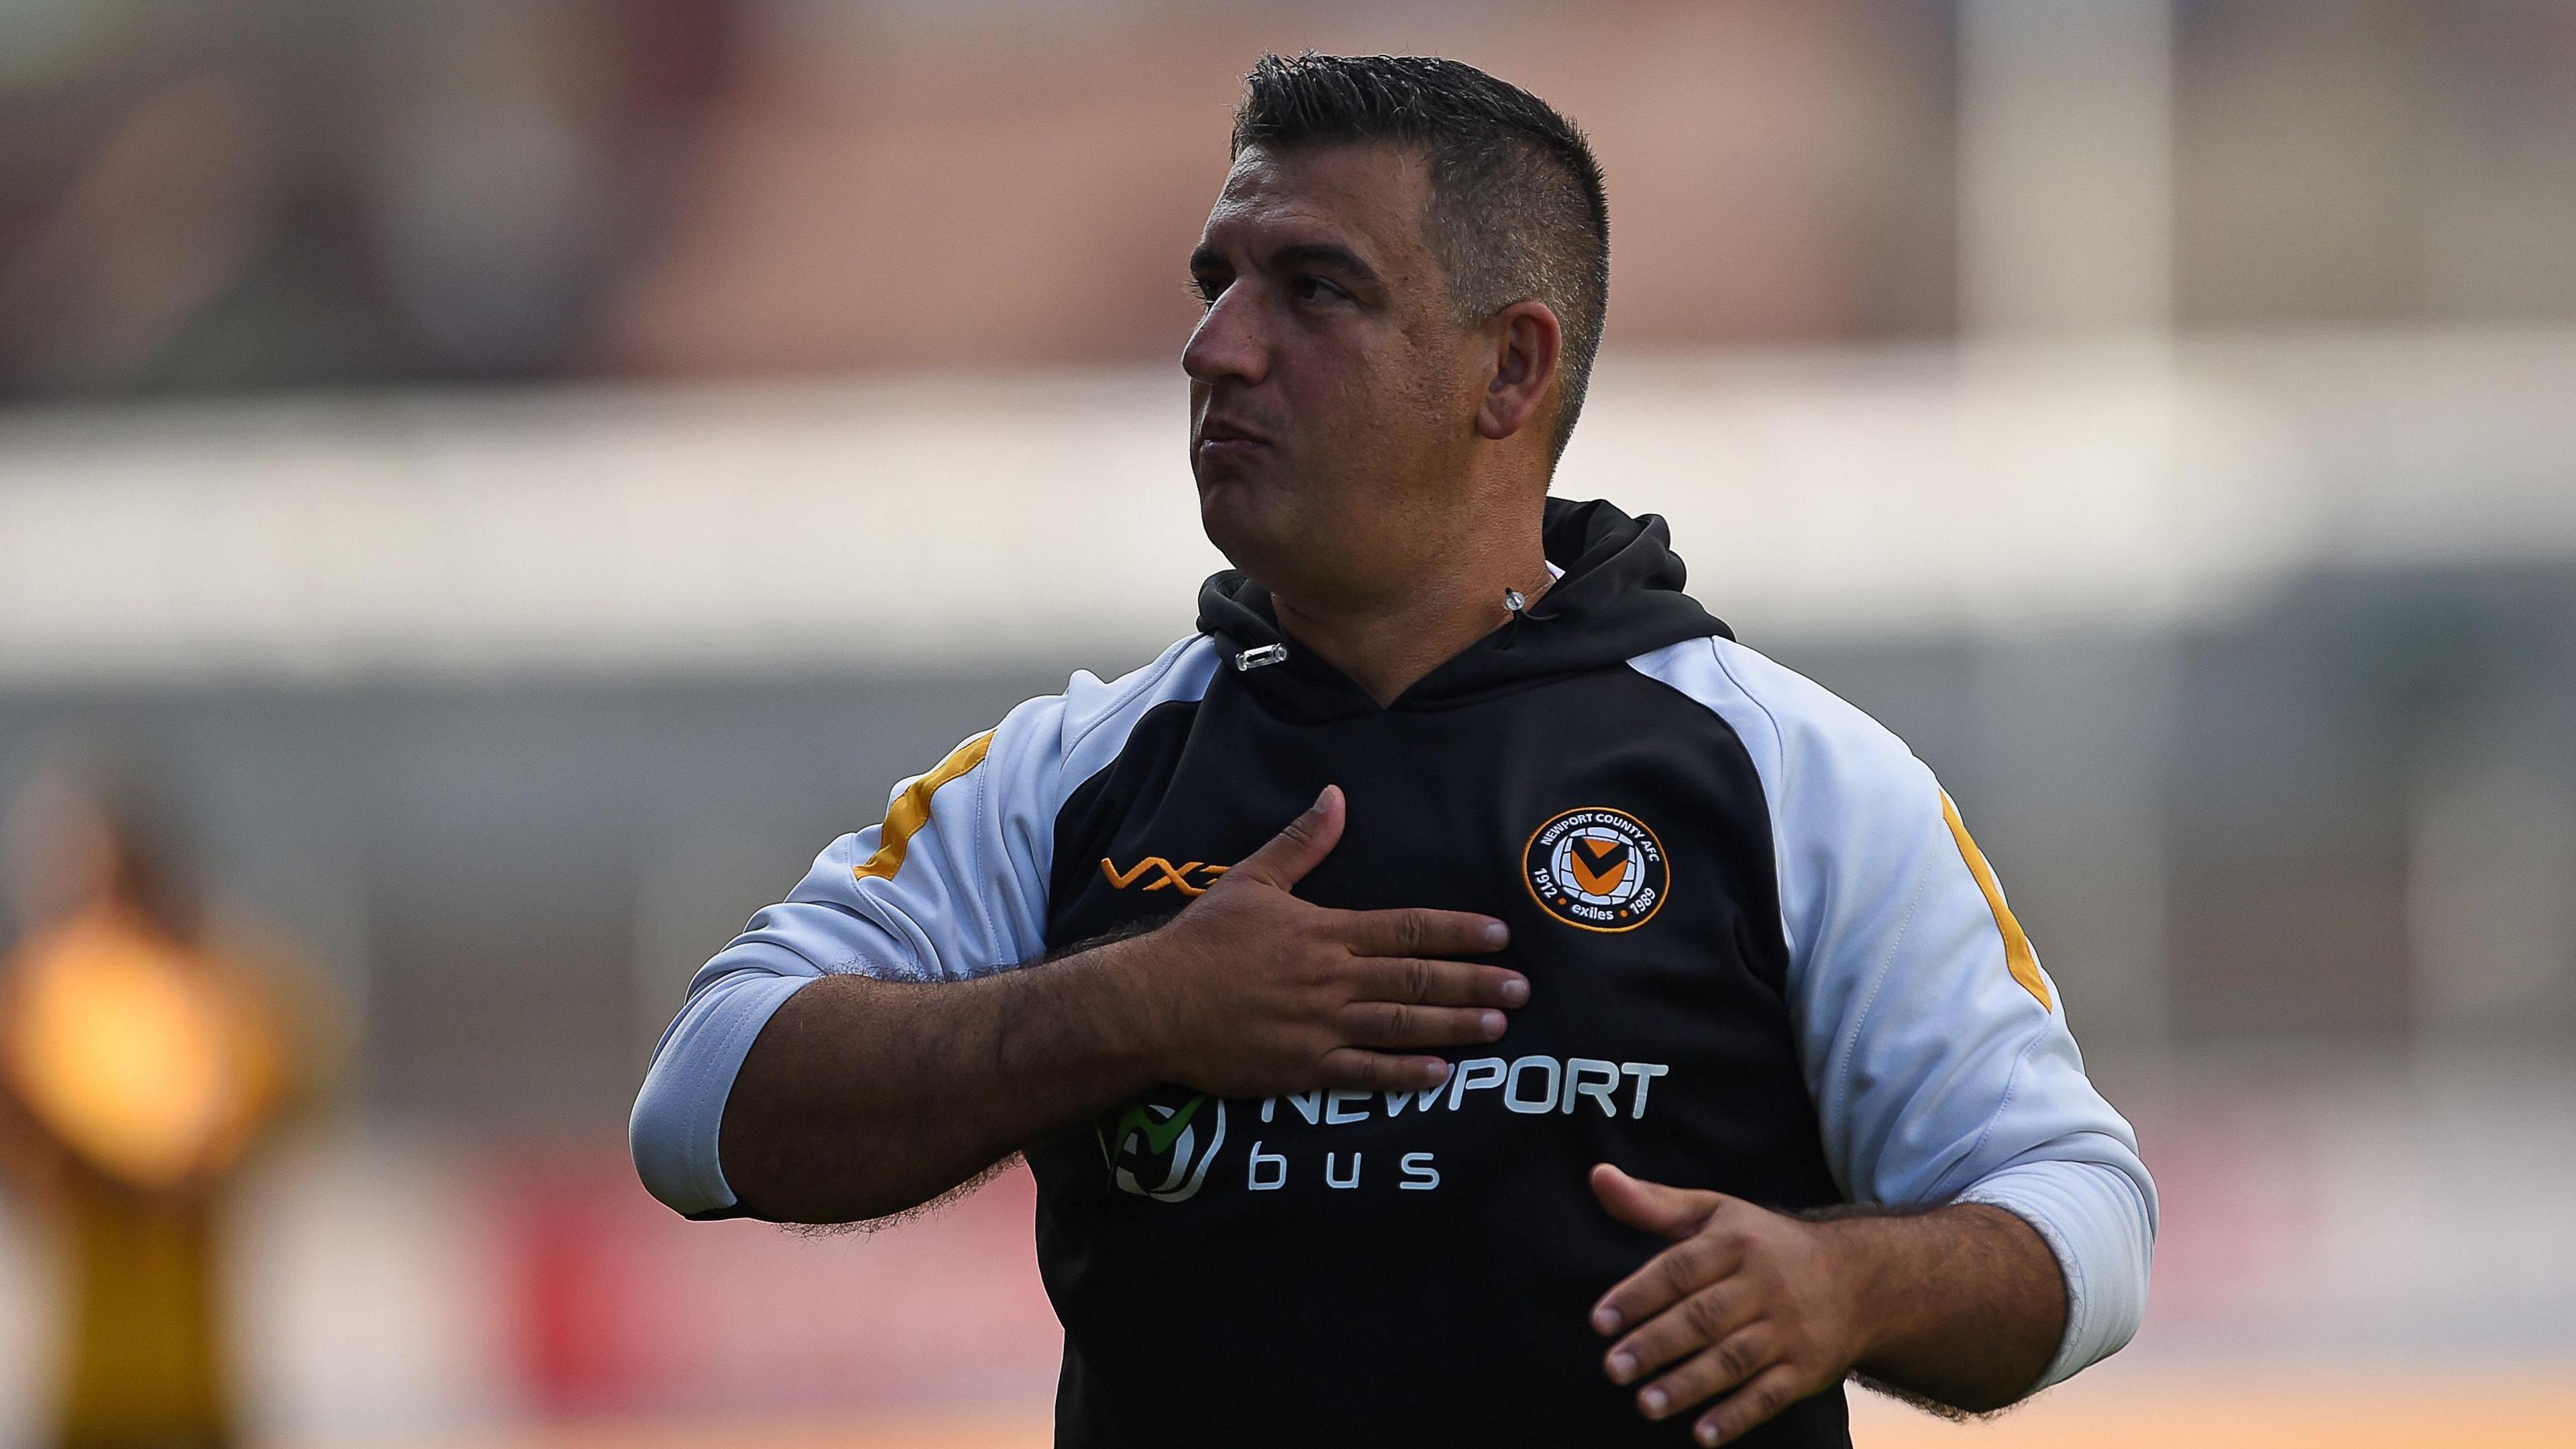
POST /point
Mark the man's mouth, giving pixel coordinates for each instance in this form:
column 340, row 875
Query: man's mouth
column 1218, row 432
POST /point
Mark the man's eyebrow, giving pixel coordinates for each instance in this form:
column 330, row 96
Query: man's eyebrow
column 1331, row 256
column 1328, row 255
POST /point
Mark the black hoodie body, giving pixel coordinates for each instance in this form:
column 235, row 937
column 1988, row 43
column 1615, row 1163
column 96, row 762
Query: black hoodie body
column 1419, row 1268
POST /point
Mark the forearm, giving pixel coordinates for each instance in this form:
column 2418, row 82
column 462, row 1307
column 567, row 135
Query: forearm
column 859, row 1097
column 1963, row 1305
column 862, row 1097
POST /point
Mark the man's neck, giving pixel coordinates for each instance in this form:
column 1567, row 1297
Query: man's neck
column 1385, row 649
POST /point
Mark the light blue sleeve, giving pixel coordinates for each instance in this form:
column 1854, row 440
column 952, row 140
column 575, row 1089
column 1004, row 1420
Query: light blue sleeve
column 1935, row 1046
column 952, row 884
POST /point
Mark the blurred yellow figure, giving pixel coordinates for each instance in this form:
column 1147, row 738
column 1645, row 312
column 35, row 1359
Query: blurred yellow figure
column 136, row 1068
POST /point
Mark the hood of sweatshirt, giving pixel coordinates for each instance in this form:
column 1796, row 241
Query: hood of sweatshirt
column 1619, row 596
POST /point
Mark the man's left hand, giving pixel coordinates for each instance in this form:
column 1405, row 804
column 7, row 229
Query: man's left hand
column 1963, row 1305
column 1747, row 1303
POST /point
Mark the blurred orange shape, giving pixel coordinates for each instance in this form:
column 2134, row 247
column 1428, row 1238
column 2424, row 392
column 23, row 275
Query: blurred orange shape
column 128, row 1050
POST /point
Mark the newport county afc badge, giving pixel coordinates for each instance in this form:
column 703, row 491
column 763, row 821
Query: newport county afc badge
column 1596, row 868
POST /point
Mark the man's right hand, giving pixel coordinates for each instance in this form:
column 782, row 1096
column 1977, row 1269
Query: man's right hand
column 1251, row 992
column 862, row 1097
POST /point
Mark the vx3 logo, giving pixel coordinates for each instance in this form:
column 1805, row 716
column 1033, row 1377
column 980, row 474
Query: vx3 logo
column 1164, row 874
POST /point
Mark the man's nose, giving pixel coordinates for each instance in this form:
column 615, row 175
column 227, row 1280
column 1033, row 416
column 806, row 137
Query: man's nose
column 1230, row 343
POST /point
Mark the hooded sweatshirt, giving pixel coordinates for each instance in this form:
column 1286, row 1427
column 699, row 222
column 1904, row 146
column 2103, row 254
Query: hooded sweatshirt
column 1765, row 958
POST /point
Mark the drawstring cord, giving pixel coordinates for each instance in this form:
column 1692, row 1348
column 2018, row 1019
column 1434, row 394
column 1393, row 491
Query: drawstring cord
column 1518, row 605
column 1516, row 602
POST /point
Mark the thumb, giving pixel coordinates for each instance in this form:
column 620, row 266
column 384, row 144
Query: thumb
column 1674, row 1212
column 1286, row 857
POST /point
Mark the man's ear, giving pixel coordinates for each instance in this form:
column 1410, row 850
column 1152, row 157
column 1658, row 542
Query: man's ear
column 1526, row 341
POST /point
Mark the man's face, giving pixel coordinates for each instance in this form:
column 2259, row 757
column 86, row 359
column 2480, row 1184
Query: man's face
column 1332, row 393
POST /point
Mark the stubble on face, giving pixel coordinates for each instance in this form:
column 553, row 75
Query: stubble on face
column 1331, row 343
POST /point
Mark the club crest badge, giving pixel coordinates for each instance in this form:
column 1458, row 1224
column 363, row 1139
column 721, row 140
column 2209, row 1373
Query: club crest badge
column 1596, row 868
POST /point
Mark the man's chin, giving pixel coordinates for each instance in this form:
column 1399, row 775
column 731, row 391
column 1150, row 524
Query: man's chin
column 1247, row 520
column 1233, row 487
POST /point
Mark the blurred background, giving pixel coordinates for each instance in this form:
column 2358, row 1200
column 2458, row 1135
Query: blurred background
column 489, row 487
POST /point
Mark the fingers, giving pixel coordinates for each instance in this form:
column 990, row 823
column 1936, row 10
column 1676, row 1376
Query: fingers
column 1398, row 1024
column 1284, row 859
column 1368, row 1071
column 1713, row 1370
column 1672, row 1211
column 1698, row 1320
column 1770, row 1391
column 1439, row 983
column 1422, row 933
column 1667, row 1278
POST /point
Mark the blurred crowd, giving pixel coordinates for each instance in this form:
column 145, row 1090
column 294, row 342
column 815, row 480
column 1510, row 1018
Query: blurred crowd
column 300, row 193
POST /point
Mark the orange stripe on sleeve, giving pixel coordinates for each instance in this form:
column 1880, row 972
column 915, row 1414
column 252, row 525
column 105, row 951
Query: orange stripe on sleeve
column 2019, row 958
column 911, row 809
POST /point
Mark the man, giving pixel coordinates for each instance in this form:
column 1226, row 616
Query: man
column 1621, row 1033
column 139, row 1066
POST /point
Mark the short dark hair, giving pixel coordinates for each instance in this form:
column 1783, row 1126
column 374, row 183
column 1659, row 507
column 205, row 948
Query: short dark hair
column 1517, row 207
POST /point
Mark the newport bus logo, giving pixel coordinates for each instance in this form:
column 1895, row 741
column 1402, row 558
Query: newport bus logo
column 1597, row 868
column 1161, row 1148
